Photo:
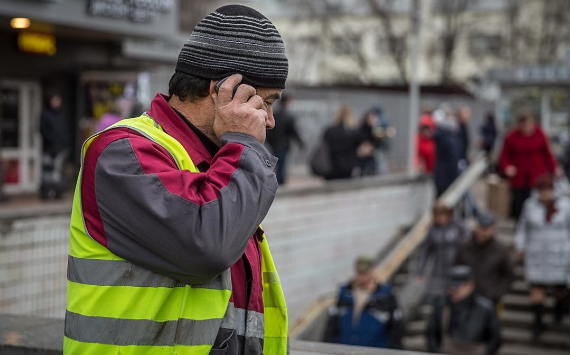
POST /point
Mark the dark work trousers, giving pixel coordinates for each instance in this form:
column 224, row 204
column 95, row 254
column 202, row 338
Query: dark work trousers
column 519, row 196
column 281, row 168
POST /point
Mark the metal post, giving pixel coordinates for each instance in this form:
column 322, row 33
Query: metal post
column 414, row 86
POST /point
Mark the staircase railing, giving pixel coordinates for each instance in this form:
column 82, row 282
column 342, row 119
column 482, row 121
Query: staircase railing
column 410, row 296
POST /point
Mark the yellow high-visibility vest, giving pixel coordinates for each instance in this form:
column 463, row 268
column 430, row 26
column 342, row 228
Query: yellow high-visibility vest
column 116, row 307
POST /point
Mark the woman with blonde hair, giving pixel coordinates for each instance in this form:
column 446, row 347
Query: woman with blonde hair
column 343, row 141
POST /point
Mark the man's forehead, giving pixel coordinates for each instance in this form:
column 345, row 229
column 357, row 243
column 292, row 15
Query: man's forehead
column 269, row 93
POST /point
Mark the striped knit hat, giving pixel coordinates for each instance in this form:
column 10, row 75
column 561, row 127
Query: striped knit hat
column 236, row 39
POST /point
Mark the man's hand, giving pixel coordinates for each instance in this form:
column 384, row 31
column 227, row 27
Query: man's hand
column 244, row 113
column 511, row 171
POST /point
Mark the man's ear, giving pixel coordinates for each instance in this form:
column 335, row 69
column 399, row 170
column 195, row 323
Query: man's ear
column 212, row 85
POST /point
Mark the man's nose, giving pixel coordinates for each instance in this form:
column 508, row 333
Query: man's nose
column 270, row 121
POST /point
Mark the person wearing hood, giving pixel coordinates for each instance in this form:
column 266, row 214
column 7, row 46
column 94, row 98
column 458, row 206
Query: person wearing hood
column 489, row 260
column 543, row 243
column 447, row 150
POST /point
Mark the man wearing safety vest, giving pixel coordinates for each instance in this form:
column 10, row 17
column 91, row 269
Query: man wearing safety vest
column 166, row 253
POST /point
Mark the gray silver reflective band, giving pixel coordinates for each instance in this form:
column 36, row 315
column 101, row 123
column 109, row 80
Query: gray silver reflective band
column 124, row 332
column 124, row 273
column 246, row 323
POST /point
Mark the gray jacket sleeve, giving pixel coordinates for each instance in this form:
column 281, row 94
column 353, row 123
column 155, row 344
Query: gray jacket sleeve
column 174, row 234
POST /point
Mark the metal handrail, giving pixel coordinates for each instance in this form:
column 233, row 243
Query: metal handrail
column 411, row 241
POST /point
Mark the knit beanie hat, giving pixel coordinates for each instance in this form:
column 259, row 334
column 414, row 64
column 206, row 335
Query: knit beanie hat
column 236, row 39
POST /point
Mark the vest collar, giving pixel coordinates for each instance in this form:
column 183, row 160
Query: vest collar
column 172, row 124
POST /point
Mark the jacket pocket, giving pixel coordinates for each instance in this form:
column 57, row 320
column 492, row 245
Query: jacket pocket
column 222, row 343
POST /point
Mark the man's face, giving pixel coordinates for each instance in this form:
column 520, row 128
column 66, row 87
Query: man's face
column 483, row 234
column 269, row 97
column 461, row 292
column 442, row 218
column 464, row 114
column 364, row 278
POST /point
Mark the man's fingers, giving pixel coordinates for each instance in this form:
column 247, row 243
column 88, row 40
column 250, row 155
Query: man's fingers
column 244, row 92
column 256, row 102
column 227, row 89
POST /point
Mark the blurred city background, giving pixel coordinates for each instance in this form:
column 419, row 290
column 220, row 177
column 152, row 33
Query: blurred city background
column 393, row 134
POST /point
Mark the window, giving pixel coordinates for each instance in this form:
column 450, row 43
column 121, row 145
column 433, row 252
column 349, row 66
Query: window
column 383, row 46
column 480, row 45
column 346, row 45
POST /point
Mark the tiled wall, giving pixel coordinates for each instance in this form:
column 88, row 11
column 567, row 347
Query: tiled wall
column 314, row 239
column 33, row 264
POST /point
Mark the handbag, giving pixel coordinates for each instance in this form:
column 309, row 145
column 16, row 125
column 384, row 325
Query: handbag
column 321, row 162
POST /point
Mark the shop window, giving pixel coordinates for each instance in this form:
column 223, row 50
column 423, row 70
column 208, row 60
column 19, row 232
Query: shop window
column 9, row 113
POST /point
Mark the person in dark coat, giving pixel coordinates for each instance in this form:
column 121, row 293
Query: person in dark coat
column 52, row 127
column 440, row 248
column 488, row 259
column 367, row 162
column 463, row 118
column 525, row 157
column 447, row 151
column 488, row 134
column 280, row 137
column 343, row 142
column 366, row 313
column 464, row 323
column 54, row 138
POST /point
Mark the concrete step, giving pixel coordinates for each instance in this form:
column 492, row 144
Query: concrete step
column 523, row 320
column 418, row 343
column 549, row 339
column 521, row 302
column 516, row 338
column 509, row 320
column 509, row 349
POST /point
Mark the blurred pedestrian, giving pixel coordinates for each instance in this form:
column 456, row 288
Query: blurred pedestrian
column 425, row 148
column 366, row 313
column 525, row 156
column 425, row 145
column 367, row 160
column 488, row 134
column 440, row 248
column 488, row 259
column 464, row 140
column 447, row 150
column 543, row 243
column 464, row 323
column 54, row 138
column 280, row 137
column 109, row 118
column 343, row 142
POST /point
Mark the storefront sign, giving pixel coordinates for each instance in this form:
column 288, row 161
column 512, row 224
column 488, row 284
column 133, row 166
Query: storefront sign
column 37, row 43
column 134, row 10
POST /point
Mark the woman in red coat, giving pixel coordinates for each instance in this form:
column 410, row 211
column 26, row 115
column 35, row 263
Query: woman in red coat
column 525, row 157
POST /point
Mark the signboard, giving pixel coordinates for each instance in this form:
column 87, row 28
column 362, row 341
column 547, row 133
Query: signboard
column 141, row 11
column 37, row 43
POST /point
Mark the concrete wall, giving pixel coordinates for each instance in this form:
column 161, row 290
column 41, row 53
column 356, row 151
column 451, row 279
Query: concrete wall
column 314, row 235
column 315, row 238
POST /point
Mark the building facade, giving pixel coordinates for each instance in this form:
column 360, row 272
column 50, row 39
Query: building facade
column 94, row 53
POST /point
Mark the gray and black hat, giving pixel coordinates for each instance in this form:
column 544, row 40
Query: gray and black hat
column 236, row 39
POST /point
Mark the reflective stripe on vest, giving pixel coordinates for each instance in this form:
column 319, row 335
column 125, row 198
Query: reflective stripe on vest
column 115, row 307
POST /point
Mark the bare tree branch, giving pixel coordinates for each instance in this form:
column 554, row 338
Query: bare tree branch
column 453, row 12
column 384, row 9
